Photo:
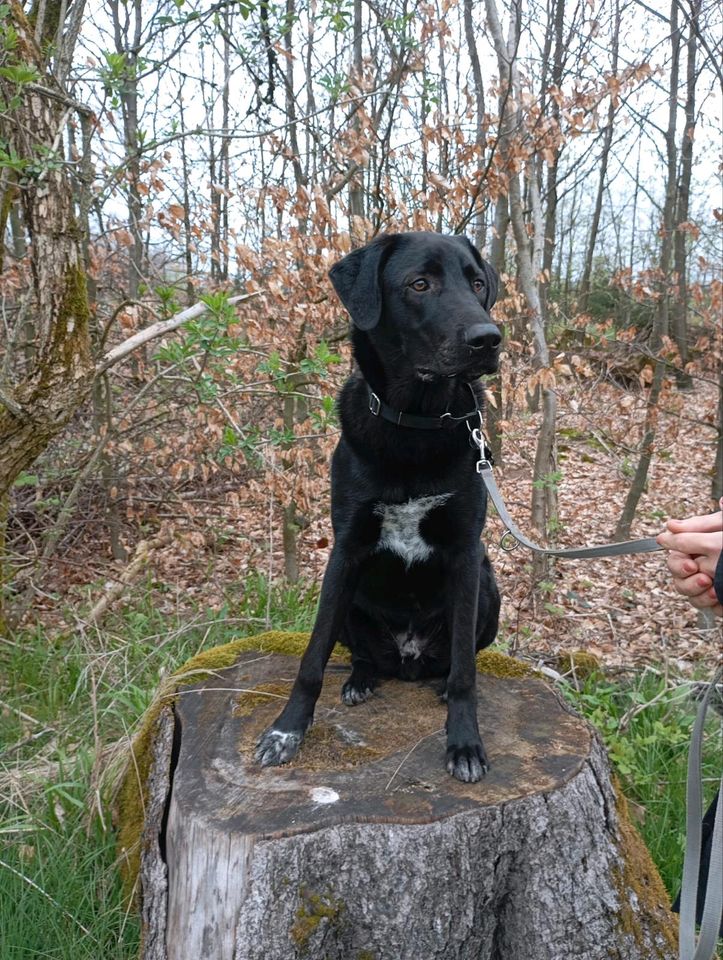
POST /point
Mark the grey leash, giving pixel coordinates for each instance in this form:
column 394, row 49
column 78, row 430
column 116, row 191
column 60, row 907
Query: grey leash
column 484, row 468
column 710, row 922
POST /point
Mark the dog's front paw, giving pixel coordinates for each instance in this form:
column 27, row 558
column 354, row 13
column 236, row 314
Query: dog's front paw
column 468, row 763
column 277, row 746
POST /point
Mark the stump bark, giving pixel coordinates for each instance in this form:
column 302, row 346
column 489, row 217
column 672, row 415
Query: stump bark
column 364, row 848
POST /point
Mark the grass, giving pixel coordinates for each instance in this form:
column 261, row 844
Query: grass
column 646, row 722
column 59, row 893
column 60, row 897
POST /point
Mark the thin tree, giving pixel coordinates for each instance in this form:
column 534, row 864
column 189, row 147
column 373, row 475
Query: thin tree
column 555, row 45
column 527, row 251
column 661, row 321
column 603, row 169
column 356, row 182
column 127, row 20
column 480, row 232
column 680, row 244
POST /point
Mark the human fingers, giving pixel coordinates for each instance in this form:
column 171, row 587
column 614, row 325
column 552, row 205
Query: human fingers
column 681, row 565
column 708, row 523
column 704, row 547
column 695, row 586
column 707, row 601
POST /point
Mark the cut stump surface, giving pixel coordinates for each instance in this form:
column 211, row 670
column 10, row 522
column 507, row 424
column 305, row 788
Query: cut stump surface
column 379, row 761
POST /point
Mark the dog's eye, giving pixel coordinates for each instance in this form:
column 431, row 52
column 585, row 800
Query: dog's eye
column 478, row 286
column 420, row 284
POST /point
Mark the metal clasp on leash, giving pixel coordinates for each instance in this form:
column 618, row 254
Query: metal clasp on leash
column 375, row 404
column 479, row 440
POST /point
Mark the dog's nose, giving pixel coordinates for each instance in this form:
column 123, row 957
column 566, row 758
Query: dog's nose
column 483, row 336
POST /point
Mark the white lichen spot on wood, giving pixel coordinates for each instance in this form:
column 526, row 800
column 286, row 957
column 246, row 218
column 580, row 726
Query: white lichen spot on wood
column 323, row 795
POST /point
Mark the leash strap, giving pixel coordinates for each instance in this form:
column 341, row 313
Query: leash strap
column 484, row 468
column 705, row 949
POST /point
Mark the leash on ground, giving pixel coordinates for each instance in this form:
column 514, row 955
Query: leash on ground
column 705, row 948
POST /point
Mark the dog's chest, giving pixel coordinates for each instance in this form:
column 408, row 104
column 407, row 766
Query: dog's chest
column 400, row 531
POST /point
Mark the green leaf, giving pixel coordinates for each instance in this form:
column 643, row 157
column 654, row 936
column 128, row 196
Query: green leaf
column 10, row 160
column 20, row 73
column 27, row 480
column 272, row 364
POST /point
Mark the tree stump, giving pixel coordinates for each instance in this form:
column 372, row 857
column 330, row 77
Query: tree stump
column 364, row 848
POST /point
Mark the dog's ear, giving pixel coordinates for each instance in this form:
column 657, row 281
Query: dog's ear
column 357, row 280
column 489, row 271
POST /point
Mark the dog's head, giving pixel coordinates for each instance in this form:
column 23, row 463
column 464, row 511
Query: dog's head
column 431, row 295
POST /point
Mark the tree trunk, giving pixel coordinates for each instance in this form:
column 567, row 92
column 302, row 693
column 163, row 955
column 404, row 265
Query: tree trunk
column 647, row 450
column 556, row 28
column 607, row 142
column 224, row 161
column 41, row 404
column 633, row 221
column 130, row 48
column 356, row 183
column 661, row 322
column 716, row 486
column 215, row 196
column 479, row 96
column 188, row 243
column 364, row 847
column 498, row 253
column 543, row 506
column 680, row 248
column 57, row 368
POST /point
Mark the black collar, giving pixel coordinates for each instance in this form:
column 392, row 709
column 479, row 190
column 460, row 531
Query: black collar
column 378, row 408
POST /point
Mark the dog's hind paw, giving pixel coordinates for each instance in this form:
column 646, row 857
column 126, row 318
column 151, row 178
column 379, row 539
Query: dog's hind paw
column 356, row 691
column 359, row 687
column 468, row 764
column 275, row 747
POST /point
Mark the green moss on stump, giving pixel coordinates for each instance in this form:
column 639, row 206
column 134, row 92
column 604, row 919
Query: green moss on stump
column 637, row 875
column 130, row 798
column 313, row 909
column 263, row 693
column 218, row 658
column 496, row 664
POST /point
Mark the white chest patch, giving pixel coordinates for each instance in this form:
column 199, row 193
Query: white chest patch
column 400, row 527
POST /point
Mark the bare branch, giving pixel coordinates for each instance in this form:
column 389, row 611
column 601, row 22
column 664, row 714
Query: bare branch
column 157, row 330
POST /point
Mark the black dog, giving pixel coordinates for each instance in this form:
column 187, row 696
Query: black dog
column 408, row 587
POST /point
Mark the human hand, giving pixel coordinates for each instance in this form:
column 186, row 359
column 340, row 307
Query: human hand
column 694, row 546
